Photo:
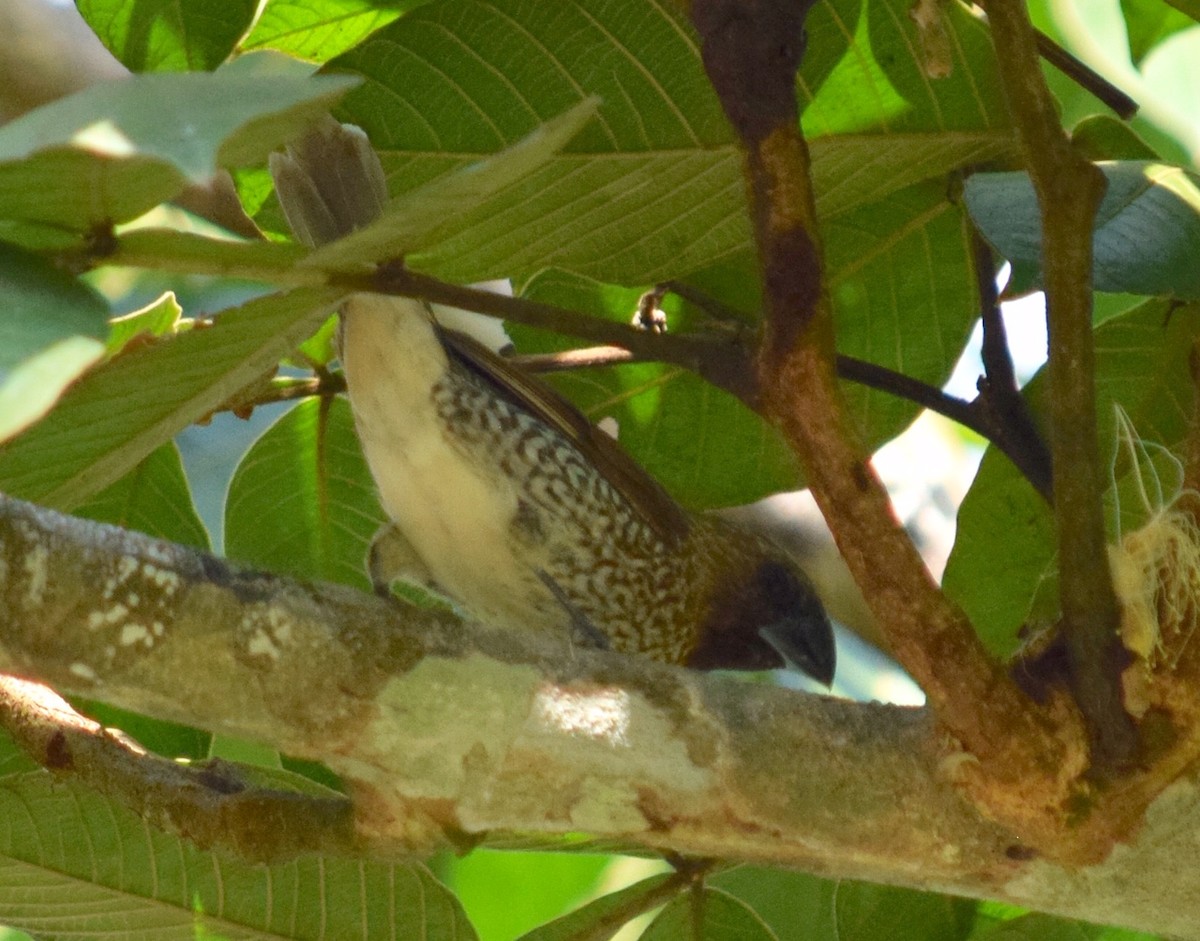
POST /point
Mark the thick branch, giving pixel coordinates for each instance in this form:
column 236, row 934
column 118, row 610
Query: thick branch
column 448, row 732
column 212, row 804
column 1069, row 190
column 750, row 56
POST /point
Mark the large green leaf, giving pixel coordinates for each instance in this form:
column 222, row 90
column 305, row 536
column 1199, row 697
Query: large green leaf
column 904, row 298
column 420, row 216
column 116, row 415
column 169, row 35
column 153, row 498
column 113, row 151
column 320, row 31
column 302, row 500
column 1004, row 552
column 1147, row 230
column 652, row 188
column 75, row 864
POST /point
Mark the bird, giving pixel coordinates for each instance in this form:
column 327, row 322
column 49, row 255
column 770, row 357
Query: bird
column 507, row 501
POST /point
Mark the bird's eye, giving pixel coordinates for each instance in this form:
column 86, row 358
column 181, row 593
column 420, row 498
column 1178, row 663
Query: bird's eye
column 777, row 582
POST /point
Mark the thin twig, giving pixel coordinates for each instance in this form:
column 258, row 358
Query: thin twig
column 587, row 358
column 1069, row 190
column 1085, row 76
column 1000, row 405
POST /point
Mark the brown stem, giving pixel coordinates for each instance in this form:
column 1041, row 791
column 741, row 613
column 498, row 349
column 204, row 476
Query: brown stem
column 1004, row 411
column 721, row 360
column 1085, row 76
column 750, row 52
column 587, row 358
column 1069, row 190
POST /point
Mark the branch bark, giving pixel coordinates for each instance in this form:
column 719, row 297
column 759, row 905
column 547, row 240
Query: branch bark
column 451, row 733
column 1069, row 189
column 1028, row 758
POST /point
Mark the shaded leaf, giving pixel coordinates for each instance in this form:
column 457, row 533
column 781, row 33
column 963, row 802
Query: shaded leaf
column 417, row 218
column 302, row 500
column 1104, row 137
column 1149, row 22
column 168, row 35
column 40, row 305
column 153, row 498
column 652, row 188
column 30, row 390
column 1004, row 551
column 1147, row 231
column 76, row 863
column 715, row 916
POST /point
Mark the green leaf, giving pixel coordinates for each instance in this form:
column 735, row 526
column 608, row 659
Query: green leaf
column 797, row 905
column 75, row 863
column 302, row 500
column 652, row 188
column 898, row 303
column 495, row 889
column 716, row 916
column 153, row 498
column 50, row 325
column 40, row 305
column 1104, row 137
column 1149, row 22
column 599, row 919
column 705, row 446
column 159, row 318
column 867, row 912
column 30, row 390
column 1004, row 551
column 320, row 31
column 169, row 35
column 416, row 219
column 793, row 904
column 113, row 151
column 1147, row 233
column 116, row 415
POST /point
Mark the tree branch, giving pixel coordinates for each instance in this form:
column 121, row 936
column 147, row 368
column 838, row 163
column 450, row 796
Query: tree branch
column 451, row 733
column 1085, row 76
column 1069, row 189
column 213, row 804
column 1004, row 412
column 751, row 53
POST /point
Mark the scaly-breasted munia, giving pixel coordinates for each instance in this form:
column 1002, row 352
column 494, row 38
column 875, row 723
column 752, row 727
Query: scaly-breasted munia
column 506, row 500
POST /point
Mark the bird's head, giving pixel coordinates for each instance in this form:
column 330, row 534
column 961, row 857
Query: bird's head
column 764, row 614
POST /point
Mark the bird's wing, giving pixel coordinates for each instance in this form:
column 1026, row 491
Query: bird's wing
column 643, row 493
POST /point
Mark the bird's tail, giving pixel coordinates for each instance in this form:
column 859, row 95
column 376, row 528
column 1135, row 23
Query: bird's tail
column 329, row 182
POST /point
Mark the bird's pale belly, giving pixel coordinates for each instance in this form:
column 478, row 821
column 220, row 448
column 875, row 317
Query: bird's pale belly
column 456, row 512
